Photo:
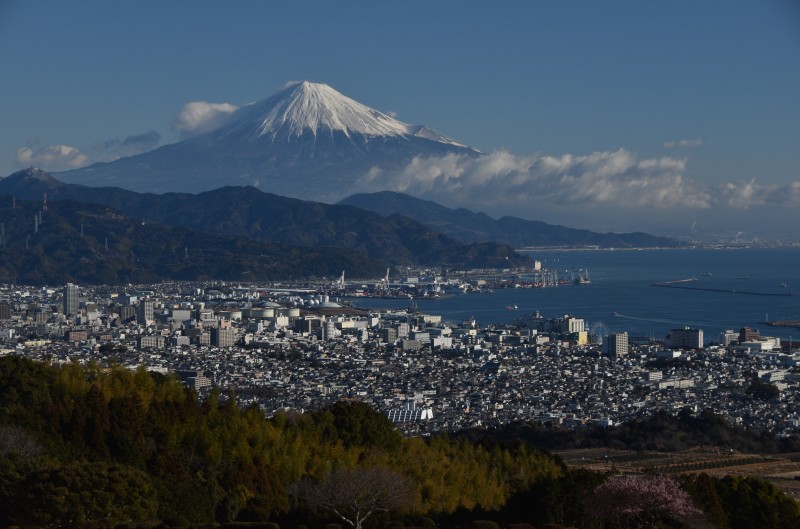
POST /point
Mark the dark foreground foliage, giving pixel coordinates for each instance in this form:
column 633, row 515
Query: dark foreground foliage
column 91, row 447
column 660, row 432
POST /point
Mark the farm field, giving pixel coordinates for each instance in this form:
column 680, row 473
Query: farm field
column 782, row 470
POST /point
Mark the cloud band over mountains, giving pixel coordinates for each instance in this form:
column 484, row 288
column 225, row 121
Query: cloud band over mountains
column 66, row 157
column 196, row 117
column 496, row 181
column 614, row 179
column 617, row 177
column 499, row 179
column 52, row 157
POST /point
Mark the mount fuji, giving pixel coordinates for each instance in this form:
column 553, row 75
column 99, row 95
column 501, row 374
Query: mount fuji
column 307, row 141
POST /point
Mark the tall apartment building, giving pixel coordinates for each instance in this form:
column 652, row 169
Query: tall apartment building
column 568, row 325
column 746, row 334
column 127, row 313
column 145, row 312
column 727, row 337
column 686, row 338
column 223, row 337
column 616, row 344
column 389, row 334
column 71, row 301
column 403, row 329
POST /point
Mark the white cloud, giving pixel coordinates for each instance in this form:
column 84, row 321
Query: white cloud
column 66, row 157
column 696, row 142
column 603, row 191
column 198, row 117
column 747, row 195
column 744, row 195
column 501, row 181
column 52, row 158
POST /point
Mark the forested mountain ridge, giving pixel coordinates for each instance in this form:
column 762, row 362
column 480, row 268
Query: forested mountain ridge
column 93, row 244
column 469, row 226
column 246, row 212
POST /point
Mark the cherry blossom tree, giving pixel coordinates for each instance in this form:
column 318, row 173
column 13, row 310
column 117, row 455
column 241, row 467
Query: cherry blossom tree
column 639, row 501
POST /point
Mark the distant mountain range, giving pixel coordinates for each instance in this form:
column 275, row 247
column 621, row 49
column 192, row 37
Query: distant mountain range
column 245, row 212
column 310, row 142
column 471, row 227
column 307, row 141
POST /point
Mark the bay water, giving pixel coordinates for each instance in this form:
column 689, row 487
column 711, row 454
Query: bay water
column 713, row 289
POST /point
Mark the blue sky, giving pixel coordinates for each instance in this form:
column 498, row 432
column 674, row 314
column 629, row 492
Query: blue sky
column 713, row 84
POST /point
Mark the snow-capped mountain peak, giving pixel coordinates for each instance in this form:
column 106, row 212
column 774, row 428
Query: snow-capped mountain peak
column 318, row 108
column 307, row 141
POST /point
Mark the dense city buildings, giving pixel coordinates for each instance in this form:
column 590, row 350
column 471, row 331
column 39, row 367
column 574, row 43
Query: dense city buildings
column 294, row 348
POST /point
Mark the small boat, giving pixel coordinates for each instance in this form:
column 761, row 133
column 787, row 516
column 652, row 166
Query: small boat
column 511, row 307
column 615, row 313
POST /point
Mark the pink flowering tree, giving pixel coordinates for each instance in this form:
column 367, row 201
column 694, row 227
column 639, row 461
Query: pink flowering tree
column 628, row 502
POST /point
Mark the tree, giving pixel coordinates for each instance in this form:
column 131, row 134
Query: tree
column 355, row 494
column 754, row 503
column 84, row 495
column 358, row 424
column 763, row 390
column 628, row 501
column 16, row 441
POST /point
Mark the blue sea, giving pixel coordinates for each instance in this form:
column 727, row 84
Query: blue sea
column 747, row 286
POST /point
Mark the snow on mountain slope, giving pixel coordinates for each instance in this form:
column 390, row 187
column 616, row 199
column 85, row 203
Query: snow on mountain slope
column 318, row 107
column 306, row 141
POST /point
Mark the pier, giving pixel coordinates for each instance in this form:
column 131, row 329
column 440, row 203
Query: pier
column 681, row 284
column 782, row 323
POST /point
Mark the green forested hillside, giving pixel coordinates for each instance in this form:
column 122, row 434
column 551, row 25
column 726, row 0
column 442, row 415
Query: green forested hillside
column 88, row 243
column 211, row 460
column 246, row 212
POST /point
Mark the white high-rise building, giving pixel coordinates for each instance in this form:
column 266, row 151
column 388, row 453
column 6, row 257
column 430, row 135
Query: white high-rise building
column 616, row 344
column 71, row 300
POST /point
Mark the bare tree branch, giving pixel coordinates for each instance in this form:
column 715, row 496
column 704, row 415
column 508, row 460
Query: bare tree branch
column 355, row 494
column 15, row 440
